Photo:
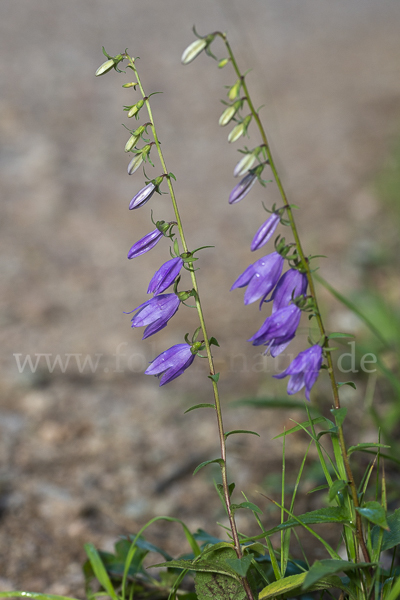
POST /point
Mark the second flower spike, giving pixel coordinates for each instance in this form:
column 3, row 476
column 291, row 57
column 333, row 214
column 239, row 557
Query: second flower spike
column 165, row 276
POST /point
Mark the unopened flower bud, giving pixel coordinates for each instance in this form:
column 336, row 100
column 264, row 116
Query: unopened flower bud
column 129, row 85
column 239, row 129
column 244, row 164
column 105, row 67
column 223, row 62
column 131, row 142
column 193, row 50
column 227, row 115
column 135, row 108
column 135, row 163
column 235, row 89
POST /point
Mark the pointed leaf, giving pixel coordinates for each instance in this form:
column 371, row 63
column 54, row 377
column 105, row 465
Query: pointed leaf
column 374, row 512
column 349, row 383
column 291, row 586
column 300, row 426
column 337, row 334
column 390, row 538
column 248, row 505
column 361, row 447
column 100, row 570
column 208, row 462
column 213, row 341
column 339, row 414
column 320, row 569
column 240, row 565
column 199, row 406
column 215, row 377
column 337, row 486
column 228, row 433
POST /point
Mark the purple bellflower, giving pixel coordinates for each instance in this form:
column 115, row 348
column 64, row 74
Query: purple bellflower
column 155, row 313
column 260, row 277
column 171, row 363
column 291, row 284
column 143, row 196
column 278, row 330
column 303, row 370
column 165, row 276
column 265, row 232
column 145, row 244
column 242, row 188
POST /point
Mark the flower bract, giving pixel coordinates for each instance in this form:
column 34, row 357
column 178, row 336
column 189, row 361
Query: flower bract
column 291, row 284
column 303, row 370
column 171, row 363
column 143, row 196
column 265, row 232
column 155, row 313
column 242, row 188
column 145, row 244
column 260, row 277
column 165, row 276
column 278, row 330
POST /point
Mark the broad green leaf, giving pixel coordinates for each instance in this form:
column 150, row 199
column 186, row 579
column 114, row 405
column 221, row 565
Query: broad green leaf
column 395, row 591
column 228, row 433
column 218, row 583
column 321, row 569
column 390, row 538
column 339, row 414
column 213, row 341
column 100, row 570
column 208, row 462
column 141, row 543
column 249, row 505
column 374, row 512
column 301, row 426
column 240, row 565
column 361, row 447
column 199, row 406
column 337, row 486
column 292, row 585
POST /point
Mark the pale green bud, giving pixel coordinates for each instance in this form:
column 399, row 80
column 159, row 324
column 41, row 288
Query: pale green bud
column 129, row 85
column 105, row 67
column 235, row 89
column 135, row 163
column 236, row 133
column 193, row 50
column 244, row 164
column 131, row 142
column 223, row 62
column 135, row 108
column 227, row 115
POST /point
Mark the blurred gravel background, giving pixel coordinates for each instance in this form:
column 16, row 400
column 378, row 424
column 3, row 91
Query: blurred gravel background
column 88, row 455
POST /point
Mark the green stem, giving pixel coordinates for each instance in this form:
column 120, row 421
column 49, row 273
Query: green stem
column 306, row 267
column 217, row 402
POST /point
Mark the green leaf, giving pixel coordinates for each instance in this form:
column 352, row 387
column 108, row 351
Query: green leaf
column 291, row 586
column 337, row 486
column 337, row 334
column 361, row 447
column 208, row 462
column 228, row 433
column 222, row 581
column 248, row 505
column 199, row 406
column 321, row 569
column 301, row 426
column 215, row 377
column 374, row 512
column 240, row 565
column 339, row 415
column 100, row 570
column 172, row 175
column 325, row 486
column 213, row 341
column 349, row 383
column 278, row 402
column 34, row 596
column 390, row 538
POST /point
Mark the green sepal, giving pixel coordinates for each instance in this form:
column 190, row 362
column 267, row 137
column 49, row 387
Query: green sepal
column 199, row 406
column 228, row 433
column 208, row 462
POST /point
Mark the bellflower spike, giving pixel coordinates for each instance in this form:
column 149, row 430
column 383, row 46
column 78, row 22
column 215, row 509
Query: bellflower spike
column 171, row 363
column 303, row 370
column 155, row 313
column 260, row 278
column 291, row 284
column 143, row 196
column 265, row 232
column 165, row 276
column 278, row 329
column 145, row 244
column 242, row 188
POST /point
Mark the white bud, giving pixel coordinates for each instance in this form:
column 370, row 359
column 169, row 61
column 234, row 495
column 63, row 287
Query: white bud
column 135, row 163
column 105, row 67
column 193, row 50
column 227, row 115
column 244, row 165
column 236, row 133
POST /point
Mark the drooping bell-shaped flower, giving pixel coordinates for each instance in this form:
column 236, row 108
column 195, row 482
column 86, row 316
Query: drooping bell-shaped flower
column 242, row 188
column 265, row 232
column 260, row 277
column 278, row 329
column 143, row 196
column 145, row 244
column 155, row 313
column 165, row 276
column 303, row 370
column 171, row 363
column 291, row 284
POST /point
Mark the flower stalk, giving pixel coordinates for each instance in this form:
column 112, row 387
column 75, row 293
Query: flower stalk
column 213, row 375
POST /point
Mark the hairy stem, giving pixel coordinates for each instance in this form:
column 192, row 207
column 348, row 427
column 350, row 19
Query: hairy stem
column 217, row 402
column 306, row 267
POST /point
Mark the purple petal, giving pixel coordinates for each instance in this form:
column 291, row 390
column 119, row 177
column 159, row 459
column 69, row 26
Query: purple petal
column 303, row 370
column 143, row 196
column 291, row 284
column 155, row 313
column 145, row 244
column 260, row 277
column 265, row 232
column 242, row 188
column 171, row 363
column 165, row 276
column 280, row 326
